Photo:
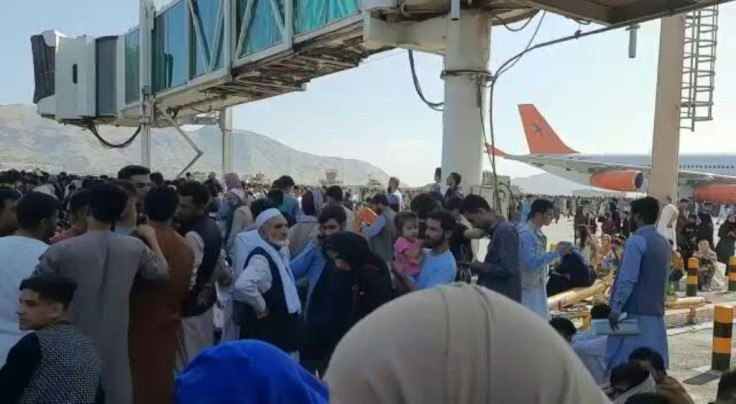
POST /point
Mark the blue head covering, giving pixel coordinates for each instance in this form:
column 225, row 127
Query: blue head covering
column 247, row 372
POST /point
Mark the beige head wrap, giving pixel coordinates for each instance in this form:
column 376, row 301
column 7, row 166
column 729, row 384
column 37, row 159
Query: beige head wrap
column 461, row 344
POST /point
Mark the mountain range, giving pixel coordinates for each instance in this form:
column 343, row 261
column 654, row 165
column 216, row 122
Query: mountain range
column 27, row 141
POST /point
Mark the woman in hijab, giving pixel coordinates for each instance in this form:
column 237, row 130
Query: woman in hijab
column 360, row 274
column 265, row 295
column 305, row 228
column 235, row 198
column 705, row 228
column 727, row 236
column 457, row 344
column 247, row 372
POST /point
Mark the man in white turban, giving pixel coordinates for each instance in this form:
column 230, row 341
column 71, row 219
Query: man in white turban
column 271, row 307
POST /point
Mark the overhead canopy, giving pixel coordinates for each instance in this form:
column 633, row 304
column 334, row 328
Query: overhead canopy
column 611, row 12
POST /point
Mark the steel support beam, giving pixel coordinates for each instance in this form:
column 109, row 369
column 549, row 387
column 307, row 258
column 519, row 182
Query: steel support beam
column 666, row 139
column 186, row 137
column 226, row 127
column 145, row 31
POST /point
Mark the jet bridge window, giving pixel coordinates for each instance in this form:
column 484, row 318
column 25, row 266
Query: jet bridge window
column 206, row 35
column 170, row 48
column 263, row 28
column 132, row 74
column 314, row 14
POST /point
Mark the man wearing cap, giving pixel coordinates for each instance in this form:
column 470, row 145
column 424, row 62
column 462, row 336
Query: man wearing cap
column 270, row 305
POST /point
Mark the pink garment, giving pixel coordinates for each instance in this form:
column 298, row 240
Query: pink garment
column 404, row 262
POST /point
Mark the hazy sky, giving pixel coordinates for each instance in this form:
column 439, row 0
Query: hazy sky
column 596, row 98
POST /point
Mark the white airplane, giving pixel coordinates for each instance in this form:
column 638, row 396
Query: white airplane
column 709, row 177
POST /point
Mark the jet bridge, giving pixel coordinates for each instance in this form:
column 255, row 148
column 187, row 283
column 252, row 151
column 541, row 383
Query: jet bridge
column 195, row 57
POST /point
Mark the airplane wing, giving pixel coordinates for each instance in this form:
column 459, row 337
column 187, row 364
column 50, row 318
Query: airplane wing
column 571, row 163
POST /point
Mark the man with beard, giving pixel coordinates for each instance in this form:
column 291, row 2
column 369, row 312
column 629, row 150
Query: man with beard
column 325, row 296
column 271, row 308
column 438, row 264
column 204, row 238
column 640, row 286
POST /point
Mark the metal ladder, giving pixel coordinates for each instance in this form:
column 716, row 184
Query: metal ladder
column 698, row 73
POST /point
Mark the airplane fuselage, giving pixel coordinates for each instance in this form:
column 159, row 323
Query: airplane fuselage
column 724, row 164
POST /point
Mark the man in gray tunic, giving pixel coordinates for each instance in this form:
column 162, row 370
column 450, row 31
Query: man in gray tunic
column 105, row 265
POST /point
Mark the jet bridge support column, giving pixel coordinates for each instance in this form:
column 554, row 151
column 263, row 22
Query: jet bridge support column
column 466, row 66
column 666, row 139
column 147, row 12
column 226, row 127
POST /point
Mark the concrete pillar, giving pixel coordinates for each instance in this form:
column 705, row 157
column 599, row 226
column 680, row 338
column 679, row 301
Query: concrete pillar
column 226, row 127
column 468, row 51
column 146, row 111
column 666, row 139
column 146, row 145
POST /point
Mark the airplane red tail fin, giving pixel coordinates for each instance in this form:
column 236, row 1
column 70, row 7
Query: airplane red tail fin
column 495, row 151
column 541, row 138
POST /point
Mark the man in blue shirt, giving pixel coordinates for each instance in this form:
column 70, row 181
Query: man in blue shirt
column 438, row 264
column 640, row 286
column 535, row 259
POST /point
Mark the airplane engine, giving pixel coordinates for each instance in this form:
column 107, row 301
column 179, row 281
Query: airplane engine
column 619, row 180
column 720, row 193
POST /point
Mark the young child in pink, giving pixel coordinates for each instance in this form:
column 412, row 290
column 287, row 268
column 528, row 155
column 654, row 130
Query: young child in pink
column 407, row 249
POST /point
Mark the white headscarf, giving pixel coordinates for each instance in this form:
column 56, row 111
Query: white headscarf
column 457, row 344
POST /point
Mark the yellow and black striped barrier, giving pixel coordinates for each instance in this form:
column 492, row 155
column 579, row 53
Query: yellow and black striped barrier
column 722, row 330
column 732, row 274
column 692, row 277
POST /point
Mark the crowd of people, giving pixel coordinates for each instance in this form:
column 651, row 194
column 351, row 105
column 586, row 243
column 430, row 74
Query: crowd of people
column 136, row 289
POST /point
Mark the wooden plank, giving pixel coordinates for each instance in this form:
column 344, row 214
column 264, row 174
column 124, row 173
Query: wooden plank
column 566, row 299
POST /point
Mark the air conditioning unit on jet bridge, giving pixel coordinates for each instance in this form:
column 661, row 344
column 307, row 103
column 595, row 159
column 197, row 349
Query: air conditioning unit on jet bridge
column 75, row 77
